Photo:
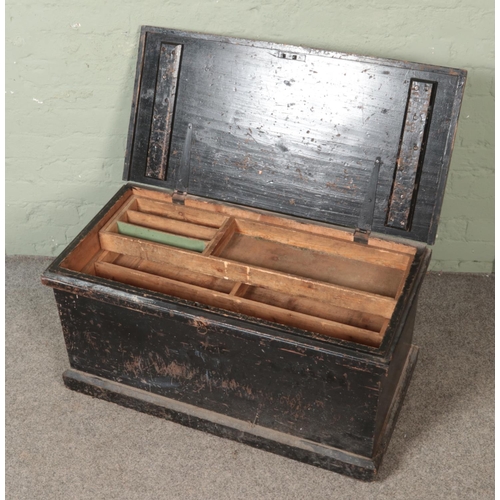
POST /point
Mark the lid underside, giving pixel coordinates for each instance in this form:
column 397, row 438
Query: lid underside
column 294, row 130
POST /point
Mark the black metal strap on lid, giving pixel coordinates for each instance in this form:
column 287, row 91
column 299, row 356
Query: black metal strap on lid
column 182, row 173
column 365, row 220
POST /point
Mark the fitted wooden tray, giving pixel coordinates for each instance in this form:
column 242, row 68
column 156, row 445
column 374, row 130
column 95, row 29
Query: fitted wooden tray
column 279, row 269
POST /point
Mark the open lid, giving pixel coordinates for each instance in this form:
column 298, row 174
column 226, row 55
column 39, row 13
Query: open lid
column 294, row 130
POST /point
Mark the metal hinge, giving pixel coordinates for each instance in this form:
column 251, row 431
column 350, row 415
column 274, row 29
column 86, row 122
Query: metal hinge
column 178, row 198
column 365, row 221
column 182, row 174
column 291, row 56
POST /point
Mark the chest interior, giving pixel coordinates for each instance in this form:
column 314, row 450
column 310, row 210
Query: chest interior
column 304, row 275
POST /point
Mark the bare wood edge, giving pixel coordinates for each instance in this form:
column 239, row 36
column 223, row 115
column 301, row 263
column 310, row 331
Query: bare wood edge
column 251, row 275
column 162, row 196
column 129, row 261
column 392, row 246
column 89, row 246
column 237, row 304
column 222, row 238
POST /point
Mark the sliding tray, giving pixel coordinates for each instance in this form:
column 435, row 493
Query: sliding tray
column 300, row 275
column 258, row 276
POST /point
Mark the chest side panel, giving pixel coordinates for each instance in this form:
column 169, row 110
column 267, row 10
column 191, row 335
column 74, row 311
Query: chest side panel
column 316, row 395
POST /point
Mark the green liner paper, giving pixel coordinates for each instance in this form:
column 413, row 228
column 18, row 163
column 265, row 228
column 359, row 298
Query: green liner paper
column 160, row 237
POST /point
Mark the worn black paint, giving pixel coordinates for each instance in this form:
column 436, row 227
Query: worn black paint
column 411, row 155
column 163, row 111
column 296, row 136
column 282, row 444
column 278, row 384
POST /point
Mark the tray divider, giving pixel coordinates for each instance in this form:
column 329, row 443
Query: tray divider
column 101, row 256
column 221, row 238
column 239, row 289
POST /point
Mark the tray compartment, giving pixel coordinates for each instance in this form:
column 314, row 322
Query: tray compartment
column 230, row 302
column 174, row 226
column 313, row 264
column 266, row 267
column 312, row 307
column 171, row 272
column 172, row 239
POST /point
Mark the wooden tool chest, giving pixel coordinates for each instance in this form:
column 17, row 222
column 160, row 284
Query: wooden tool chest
column 258, row 276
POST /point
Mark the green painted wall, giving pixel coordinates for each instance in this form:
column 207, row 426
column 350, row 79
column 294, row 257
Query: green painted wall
column 69, row 76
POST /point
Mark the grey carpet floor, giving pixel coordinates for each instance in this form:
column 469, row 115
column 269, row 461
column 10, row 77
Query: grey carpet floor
column 64, row 445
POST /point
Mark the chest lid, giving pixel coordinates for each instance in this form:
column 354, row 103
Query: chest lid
column 294, row 130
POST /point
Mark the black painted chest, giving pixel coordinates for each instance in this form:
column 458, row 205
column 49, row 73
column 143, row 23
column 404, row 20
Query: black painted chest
column 258, row 276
